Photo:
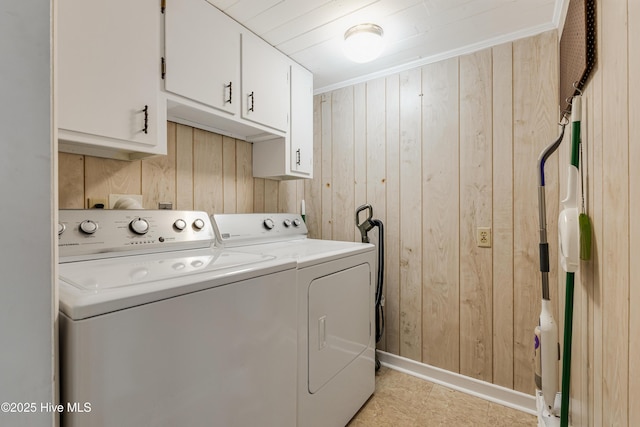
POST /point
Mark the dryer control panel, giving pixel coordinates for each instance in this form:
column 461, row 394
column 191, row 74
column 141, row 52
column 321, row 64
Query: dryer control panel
column 234, row 230
column 97, row 233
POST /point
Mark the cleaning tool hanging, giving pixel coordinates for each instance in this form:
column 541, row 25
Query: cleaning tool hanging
column 569, row 237
column 568, row 223
column 546, row 333
column 365, row 226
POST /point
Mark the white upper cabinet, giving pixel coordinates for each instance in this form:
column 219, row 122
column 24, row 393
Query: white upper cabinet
column 301, row 132
column 116, row 87
column 108, row 61
column 202, row 53
column 265, row 83
column 290, row 157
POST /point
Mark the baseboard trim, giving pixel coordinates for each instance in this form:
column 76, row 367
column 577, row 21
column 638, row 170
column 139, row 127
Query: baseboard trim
column 482, row 389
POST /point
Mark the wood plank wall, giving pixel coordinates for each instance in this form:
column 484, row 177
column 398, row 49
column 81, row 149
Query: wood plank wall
column 439, row 151
column 202, row 171
column 608, row 288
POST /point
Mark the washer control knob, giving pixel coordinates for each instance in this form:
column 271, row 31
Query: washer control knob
column 180, row 224
column 61, row 228
column 296, row 222
column 88, row 227
column 268, row 224
column 139, row 226
column 198, row 224
column 287, row 223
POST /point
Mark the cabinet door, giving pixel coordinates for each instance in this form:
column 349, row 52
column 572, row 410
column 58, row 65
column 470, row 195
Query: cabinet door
column 108, row 72
column 202, row 48
column 265, row 83
column 301, row 134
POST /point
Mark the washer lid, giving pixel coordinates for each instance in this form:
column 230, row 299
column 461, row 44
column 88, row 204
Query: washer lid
column 308, row 252
column 90, row 288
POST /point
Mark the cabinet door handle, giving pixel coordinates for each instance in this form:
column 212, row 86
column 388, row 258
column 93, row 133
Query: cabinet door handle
column 230, row 86
column 146, row 119
column 298, row 157
column 251, row 96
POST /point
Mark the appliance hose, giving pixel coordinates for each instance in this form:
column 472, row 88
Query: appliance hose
column 364, row 227
column 379, row 297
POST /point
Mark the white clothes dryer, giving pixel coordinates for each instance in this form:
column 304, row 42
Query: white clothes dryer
column 160, row 328
column 336, row 290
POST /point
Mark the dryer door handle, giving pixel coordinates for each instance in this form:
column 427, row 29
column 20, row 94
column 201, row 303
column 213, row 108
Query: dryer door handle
column 322, row 332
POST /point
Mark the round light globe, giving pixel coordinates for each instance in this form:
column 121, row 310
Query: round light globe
column 363, row 43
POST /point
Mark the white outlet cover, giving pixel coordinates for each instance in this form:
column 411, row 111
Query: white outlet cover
column 113, row 199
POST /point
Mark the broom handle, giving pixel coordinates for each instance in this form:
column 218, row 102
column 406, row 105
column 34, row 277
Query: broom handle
column 576, row 112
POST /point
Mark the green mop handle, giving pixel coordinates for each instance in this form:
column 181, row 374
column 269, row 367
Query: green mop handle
column 566, row 355
column 576, row 112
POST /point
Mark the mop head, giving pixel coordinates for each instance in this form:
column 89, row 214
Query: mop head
column 585, row 237
column 545, row 417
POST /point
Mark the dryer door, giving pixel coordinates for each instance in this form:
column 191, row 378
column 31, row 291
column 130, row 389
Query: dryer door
column 339, row 322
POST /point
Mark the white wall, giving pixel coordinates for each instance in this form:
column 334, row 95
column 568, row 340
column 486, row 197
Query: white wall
column 27, row 210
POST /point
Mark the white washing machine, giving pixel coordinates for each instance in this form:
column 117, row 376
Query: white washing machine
column 160, row 328
column 336, row 332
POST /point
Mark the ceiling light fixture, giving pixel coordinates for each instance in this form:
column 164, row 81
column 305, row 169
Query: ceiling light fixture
column 363, row 42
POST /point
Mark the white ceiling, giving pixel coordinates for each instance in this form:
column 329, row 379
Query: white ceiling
column 416, row 31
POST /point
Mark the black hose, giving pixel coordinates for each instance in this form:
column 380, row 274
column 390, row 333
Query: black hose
column 364, row 227
column 379, row 284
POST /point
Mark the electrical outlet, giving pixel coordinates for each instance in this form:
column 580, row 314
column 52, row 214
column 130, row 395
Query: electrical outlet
column 483, row 237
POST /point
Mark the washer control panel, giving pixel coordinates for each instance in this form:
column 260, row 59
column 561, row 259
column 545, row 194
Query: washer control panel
column 245, row 229
column 97, row 233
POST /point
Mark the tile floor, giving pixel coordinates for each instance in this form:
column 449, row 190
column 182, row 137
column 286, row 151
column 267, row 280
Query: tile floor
column 401, row 400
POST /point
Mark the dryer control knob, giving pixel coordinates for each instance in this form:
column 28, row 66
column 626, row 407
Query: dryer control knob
column 139, row 226
column 296, row 222
column 287, row 223
column 61, row 228
column 268, row 224
column 198, row 224
column 88, row 227
column 180, row 224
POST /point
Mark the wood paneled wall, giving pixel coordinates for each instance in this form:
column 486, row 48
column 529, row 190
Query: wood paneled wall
column 608, row 287
column 439, row 151
column 202, row 171
column 484, row 119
